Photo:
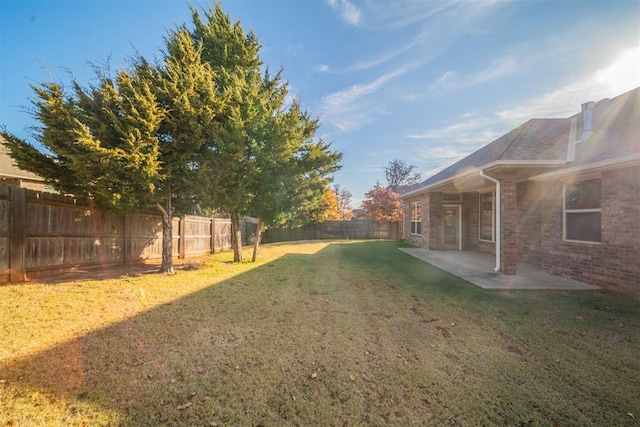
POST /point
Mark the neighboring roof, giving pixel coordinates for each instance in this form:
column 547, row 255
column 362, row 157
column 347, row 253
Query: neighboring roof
column 8, row 168
column 616, row 124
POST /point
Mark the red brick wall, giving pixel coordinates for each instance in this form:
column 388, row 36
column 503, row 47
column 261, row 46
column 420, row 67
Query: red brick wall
column 417, row 240
column 469, row 221
column 615, row 263
column 431, row 237
column 529, row 222
column 508, row 221
column 435, row 221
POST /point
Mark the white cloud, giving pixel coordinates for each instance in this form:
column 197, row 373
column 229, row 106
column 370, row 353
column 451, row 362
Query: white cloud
column 497, row 69
column 404, row 13
column 349, row 12
column 622, row 75
column 448, row 79
column 322, row 68
column 349, row 109
column 473, row 130
column 291, row 48
column 437, row 22
column 470, row 129
column 438, row 158
column 443, row 152
column 386, row 57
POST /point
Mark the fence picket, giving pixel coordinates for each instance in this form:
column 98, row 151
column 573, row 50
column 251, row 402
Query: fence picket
column 43, row 233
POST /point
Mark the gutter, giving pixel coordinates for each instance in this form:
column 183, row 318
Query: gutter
column 473, row 170
column 498, row 237
column 628, row 159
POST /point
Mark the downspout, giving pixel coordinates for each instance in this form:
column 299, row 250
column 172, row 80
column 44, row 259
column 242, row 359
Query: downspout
column 482, row 174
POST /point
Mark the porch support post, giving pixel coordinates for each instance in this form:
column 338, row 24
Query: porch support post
column 508, row 221
column 435, row 221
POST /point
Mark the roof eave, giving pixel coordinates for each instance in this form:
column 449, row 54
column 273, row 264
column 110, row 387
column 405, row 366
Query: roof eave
column 627, row 160
column 25, row 177
column 476, row 170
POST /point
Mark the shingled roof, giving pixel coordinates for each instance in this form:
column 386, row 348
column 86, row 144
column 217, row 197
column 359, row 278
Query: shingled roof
column 8, row 168
column 535, row 140
column 616, row 124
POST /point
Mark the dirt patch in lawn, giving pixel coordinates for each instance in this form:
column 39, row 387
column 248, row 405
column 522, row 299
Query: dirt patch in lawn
column 346, row 333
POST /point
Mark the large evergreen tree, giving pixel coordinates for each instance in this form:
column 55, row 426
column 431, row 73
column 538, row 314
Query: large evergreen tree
column 131, row 142
column 204, row 127
column 229, row 161
column 102, row 140
column 186, row 90
column 262, row 159
column 294, row 169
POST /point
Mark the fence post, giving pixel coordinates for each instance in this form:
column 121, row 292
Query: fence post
column 18, row 234
column 182, row 241
column 128, row 240
column 213, row 235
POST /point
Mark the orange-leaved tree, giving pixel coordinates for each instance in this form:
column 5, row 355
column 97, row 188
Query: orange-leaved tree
column 382, row 204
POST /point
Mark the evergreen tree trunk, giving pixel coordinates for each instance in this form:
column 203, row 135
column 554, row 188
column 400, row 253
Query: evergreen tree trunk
column 236, row 237
column 167, row 236
column 256, row 243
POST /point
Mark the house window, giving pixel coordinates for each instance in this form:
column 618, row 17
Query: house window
column 582, row 214
column 486, row 217
column 416, row 218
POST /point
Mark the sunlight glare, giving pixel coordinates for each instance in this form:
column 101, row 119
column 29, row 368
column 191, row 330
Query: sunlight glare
column 624, row 73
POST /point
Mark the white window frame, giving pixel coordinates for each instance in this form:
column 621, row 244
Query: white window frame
column 493, row 216
column 566, row 211
column 413, row 223
column 458, row 208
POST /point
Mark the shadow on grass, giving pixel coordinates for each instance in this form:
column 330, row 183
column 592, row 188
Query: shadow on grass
column 356, row 333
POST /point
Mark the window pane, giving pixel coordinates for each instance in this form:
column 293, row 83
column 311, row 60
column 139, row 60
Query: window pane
column 416, row 213
column 486, row 226
column 486, row 216
column 418, row 228
column 584, row 226
column 583, row 194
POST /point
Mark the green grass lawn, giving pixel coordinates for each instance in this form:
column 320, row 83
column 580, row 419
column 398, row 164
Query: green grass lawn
column 316, row 333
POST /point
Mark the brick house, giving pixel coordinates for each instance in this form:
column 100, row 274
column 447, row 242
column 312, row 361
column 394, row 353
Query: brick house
column 562, row 195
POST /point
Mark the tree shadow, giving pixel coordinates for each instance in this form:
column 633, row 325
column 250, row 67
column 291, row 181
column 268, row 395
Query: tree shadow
column 281, row 344
column 228, row 353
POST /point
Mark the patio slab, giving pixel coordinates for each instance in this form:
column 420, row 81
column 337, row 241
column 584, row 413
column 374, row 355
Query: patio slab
column 477, row 268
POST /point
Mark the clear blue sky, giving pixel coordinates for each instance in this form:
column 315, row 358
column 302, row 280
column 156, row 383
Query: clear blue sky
column 422, row 81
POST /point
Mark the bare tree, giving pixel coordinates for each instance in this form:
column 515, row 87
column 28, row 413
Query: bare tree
column 400, row 175
column 343, row 196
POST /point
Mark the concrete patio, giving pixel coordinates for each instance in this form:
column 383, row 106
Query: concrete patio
column 477, row 268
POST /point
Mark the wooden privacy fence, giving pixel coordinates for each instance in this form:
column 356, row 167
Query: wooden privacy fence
column 41, row 233
column 355, row 229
